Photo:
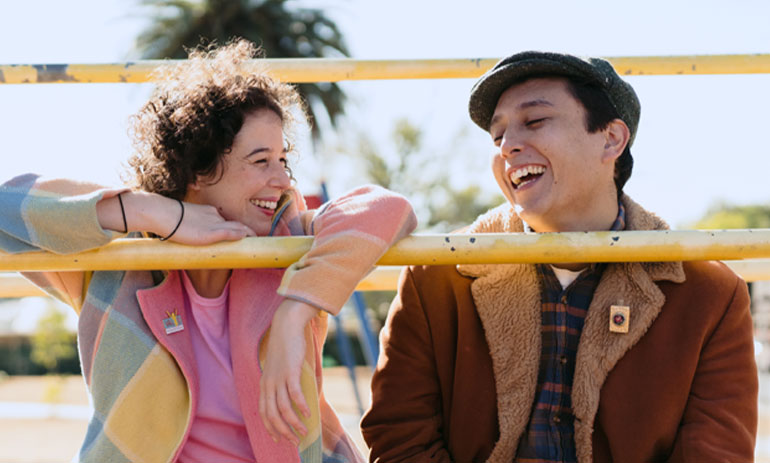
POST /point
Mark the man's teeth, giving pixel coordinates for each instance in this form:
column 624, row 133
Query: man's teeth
column 265, row 204
column 519, row 174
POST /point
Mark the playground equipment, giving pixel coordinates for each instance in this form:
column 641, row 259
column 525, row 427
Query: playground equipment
column 748, row 251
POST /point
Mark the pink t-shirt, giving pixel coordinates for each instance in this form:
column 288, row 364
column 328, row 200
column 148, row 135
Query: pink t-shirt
column 218, row 431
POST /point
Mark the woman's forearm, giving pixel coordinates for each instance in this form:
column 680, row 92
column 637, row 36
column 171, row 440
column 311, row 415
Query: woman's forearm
column 141, row 211
column 200, row 224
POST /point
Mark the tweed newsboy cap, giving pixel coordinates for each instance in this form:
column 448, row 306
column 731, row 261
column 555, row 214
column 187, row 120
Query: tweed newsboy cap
column 486, row 92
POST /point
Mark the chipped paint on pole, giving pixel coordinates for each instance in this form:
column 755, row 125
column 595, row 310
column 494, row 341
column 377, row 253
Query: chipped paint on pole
column 492, row 248
column 308, row 70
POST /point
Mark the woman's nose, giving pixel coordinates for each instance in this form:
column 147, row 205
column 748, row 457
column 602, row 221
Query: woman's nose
column 280, row 177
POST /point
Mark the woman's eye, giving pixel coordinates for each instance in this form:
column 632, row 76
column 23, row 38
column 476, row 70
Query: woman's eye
column 497, row 140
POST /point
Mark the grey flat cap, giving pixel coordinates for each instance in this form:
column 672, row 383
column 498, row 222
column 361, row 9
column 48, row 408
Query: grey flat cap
column 487, row 90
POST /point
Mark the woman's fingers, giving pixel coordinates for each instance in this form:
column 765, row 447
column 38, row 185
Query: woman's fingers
column 203, row 224
column 281, row 385
column 289, row 422
column 275, row 424
column 278, row 416
column 209, row 230
column 295, row 394
column 230, row 231
column 263, row 412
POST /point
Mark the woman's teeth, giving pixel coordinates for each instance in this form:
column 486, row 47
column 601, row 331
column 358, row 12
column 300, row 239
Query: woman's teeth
column 265, row 204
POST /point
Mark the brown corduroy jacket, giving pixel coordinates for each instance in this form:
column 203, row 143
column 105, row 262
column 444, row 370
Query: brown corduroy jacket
column 460, row 352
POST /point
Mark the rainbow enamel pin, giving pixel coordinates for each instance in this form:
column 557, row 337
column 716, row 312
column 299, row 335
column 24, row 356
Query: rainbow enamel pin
column 173, row 323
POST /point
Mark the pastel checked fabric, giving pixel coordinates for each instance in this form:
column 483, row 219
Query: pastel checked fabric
column 142, row 380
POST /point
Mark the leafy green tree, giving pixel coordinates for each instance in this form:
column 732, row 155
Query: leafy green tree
column 52, row 343
column 283, row 32
column 420, row 174
column 724, row 216
column 413, row 171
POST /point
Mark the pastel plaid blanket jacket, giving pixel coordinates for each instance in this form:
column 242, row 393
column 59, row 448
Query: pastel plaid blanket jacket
column 142, row 381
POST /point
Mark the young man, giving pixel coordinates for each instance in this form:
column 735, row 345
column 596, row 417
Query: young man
column 626, row 362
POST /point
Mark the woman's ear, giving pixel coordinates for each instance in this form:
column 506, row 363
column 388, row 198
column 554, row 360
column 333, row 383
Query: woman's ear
column 617, row 136
column 196, row 185
column 202, row 181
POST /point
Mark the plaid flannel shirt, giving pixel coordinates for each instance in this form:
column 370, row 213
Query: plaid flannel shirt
column 549, row 436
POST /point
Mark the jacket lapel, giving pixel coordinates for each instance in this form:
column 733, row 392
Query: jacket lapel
column 156, row 304
column 629, row 284
column 253, row 300
column 508, row 304
column 507, row 299
column 632, row 284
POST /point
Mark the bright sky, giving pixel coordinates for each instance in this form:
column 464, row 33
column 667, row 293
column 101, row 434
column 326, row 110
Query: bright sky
column 700, row 139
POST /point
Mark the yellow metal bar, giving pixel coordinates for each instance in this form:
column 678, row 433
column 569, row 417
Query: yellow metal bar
column 751, row 270
column 336, row 70
column 692, row 65
column 381, row 279
column 630, row 246
column 285, row 69
column 12, row 285
column 386, row 278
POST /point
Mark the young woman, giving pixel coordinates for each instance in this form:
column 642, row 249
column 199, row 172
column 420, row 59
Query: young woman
column 172, row 358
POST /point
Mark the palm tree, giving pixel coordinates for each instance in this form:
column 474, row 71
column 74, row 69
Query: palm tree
column 177, row 25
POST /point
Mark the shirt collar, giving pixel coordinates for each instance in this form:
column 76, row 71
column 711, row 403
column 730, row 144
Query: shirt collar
column 595, row 268
column 620, row 221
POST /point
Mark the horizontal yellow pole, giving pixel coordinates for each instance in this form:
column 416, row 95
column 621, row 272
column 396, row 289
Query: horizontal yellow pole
column 335, row 70
column 751, row 270
column 691, row 65
column 386, row 278
column 629, row 246
column 13, row 285
column 381, row 279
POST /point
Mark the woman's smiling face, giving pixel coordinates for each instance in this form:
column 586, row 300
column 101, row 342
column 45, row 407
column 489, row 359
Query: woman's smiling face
column 251, row 177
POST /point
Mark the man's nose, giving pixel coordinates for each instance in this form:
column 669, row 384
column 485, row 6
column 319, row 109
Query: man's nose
column 510, row 144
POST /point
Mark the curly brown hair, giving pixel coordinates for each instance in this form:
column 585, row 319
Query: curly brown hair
column 196, row 110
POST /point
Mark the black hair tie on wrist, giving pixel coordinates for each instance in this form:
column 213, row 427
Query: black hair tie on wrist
column 181, row 204
column 123, row 213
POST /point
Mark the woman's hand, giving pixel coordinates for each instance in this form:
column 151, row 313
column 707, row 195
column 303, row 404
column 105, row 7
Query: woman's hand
column 149, row 212
column 280, row 383
column 201, row 224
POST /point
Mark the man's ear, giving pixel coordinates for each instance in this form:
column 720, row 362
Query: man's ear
column 617, row 136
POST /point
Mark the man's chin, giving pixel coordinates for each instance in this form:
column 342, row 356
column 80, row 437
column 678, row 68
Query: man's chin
column 536, row 220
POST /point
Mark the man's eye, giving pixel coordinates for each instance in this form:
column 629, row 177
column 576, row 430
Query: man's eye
column 497, row 140
column 535, row 122
column 285, row 162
